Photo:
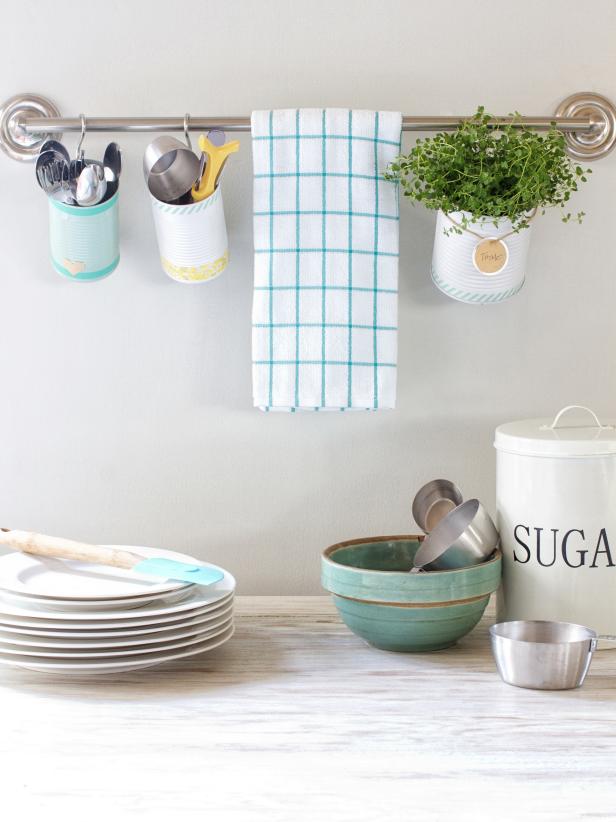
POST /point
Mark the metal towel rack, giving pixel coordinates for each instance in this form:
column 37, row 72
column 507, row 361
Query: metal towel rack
column 588, row 121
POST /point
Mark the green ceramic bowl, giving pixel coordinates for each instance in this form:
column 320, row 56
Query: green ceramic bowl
column 391, row 609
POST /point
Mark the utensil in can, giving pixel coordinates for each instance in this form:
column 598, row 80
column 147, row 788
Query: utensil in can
column 49, row 171
column 91, row 184
column 433, row 501
column 58, row 147
column 465, row 536
column 216, row 159
column 170, row 168
column 543, row 655
column 202, row 162
column 112, row 162
column 217, row 137
column 52, row 174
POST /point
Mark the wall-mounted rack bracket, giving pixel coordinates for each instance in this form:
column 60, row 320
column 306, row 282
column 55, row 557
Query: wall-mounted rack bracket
column 588, row 121
column 594, row 143
column 14, row 139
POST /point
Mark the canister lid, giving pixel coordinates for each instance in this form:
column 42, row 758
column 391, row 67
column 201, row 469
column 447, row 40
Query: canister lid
column 580, row 435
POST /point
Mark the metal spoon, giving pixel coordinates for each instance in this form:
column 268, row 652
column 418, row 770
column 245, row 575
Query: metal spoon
column 112, row 162
column 76, row 167
column 91, row 184
column 57, row 146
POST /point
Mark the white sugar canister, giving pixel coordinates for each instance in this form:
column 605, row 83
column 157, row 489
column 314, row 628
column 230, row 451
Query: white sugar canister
column 556, row 507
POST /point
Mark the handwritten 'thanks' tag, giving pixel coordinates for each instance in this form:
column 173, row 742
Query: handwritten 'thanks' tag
column 490, row 255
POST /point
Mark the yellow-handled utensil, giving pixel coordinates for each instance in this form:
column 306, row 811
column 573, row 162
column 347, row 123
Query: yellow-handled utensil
column 216, row 158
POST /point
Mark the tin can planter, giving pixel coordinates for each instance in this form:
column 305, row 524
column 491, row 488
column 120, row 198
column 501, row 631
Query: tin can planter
column 555, row 493
column 192, row 239
column 487, row 268
column 84, row 241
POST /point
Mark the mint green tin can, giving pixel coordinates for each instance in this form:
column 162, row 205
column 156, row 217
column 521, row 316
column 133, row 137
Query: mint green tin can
column 84, row 240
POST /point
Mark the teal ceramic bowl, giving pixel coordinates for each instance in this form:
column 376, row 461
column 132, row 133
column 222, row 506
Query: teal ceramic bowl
column 380, row 601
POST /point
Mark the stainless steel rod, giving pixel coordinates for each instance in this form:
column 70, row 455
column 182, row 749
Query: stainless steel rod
column 152, row 124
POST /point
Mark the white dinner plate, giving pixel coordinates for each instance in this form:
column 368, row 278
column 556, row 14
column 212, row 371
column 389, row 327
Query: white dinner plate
column 205, row 615
column 127, row 663
column 112, row 653
column 83, row 622
column 69, row 643
column 87, row 605
column 47, row 577
column 200, row 596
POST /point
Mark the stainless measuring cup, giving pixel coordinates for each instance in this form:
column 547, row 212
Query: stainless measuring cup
column 544, row 655
column 465, row 536
column 433, row 500
column 170, row 168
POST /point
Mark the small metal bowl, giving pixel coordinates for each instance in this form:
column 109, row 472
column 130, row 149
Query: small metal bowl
column 170, row 168
column 465, row 536
column 433, row 501
column 547, row 656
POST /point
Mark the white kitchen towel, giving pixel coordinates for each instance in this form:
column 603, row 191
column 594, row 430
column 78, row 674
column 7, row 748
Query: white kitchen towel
column 326, row 259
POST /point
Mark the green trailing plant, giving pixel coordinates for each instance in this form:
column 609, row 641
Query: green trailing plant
column 486, row 171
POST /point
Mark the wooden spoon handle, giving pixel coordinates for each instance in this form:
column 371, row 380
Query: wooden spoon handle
column 44, row 546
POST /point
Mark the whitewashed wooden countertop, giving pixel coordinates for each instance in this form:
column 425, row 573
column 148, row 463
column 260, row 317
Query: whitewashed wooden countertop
column 298, row 719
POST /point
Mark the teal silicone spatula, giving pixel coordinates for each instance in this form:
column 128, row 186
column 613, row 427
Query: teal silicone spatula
column 45, row 546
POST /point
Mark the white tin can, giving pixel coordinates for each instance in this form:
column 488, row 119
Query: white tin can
column 192, row 238
column 556, row 506
column 454, row 260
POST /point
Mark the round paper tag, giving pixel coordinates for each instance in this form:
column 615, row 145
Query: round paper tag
column 490, row 255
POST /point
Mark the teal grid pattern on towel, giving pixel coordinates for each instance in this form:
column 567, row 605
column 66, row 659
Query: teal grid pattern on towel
column 326, row 259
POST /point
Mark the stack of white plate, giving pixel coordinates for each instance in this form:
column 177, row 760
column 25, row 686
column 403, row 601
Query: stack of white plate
column 70, row 617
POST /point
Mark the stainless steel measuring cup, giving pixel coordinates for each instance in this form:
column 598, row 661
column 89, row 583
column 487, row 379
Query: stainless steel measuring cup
column 544, row 655
column 433, row 500
column 465, row 536
column 170, row 168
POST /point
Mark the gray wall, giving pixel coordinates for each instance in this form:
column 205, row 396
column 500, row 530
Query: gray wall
column 126, row 412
